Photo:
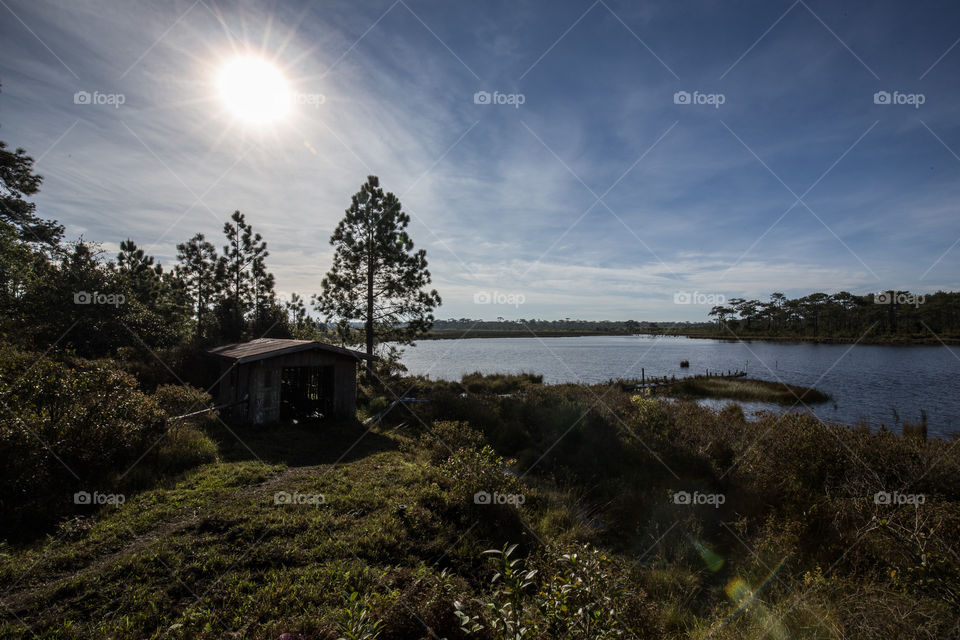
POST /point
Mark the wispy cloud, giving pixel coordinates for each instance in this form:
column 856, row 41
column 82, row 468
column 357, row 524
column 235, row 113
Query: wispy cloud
column 494, row 205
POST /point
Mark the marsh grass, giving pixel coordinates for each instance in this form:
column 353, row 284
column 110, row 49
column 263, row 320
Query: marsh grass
column 747, row 390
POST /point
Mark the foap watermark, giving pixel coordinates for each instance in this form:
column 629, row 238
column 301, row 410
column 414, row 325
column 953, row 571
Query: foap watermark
column 285, row 497
column 696, row 498
column 485, row 497
column 309, row 99
column 85, row 297
column 899, row 297
column 498, row 297
column 897, row 97
column 96, row 97
column 97, row 498
column 698, row 297
column 712, row 99
column 886, row 497
column 513, row 99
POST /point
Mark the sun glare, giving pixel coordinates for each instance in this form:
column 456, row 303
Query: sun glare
column 254, row 90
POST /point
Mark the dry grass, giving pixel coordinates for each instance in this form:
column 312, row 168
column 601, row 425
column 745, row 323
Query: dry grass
column 747, row 389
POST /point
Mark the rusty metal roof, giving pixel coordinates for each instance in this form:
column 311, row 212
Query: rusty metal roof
column 241, row 352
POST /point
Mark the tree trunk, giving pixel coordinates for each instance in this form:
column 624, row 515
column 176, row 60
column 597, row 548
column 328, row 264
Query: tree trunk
column 200, row 305
column 237, row 313
column 369, row 323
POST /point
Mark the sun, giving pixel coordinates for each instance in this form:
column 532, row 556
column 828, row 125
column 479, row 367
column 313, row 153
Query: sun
column 254, row 89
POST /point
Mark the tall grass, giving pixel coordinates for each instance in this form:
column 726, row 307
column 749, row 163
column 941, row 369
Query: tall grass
column 747, row 390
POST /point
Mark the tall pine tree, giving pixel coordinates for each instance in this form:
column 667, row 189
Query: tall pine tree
column 138, row 273
column 246, row 282
column 377, row 278
column 197, row 271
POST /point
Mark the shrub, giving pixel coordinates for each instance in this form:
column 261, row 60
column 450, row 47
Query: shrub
column 446, row 437
column 580, row 593
column 477, row 382
column 186, row 444
column 476, row 470
column 490, row 494
column 178, row 400
column 649, row 412
column 67, row 429
column 183, row 447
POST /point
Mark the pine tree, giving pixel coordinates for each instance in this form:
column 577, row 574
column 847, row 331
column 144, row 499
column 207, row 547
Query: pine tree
column 377, row 277
column 263, row 296
column 18, row 180
column 138, row 273
column 243, row 275
column 197, row 270
column 301, row 325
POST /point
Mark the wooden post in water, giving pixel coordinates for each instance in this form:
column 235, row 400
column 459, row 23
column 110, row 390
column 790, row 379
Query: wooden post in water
column 643, row 375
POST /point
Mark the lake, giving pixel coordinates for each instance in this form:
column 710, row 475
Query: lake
column 867, row 383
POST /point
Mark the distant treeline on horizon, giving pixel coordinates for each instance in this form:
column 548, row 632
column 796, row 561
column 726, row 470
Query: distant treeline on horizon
column 566, row 324
column 843, row 314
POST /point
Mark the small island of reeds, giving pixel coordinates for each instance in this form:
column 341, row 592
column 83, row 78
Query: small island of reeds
column 745, row 389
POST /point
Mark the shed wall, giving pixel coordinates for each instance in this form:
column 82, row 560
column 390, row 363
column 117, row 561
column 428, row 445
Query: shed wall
column 262, row 380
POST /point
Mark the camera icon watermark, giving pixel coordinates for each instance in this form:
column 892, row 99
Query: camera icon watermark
column 84, row 297
column 712, row 99
column 497, row 297
column 110, row 99
column 97, row 498
column 697, row 498
column 897, row 97
column 895, row 498
column 485, row 497
column 899, row 297
column 698, row 297
column 512, row 99
column 285, row 497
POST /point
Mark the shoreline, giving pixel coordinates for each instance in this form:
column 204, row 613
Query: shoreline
column 891, row 341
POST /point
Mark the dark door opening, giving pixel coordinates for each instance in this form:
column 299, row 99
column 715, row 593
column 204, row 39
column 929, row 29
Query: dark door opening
column 306, row 392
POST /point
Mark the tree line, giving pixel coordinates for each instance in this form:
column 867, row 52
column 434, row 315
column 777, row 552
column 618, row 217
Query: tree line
column 537, row 326
column 72, row 295
column 843, row 314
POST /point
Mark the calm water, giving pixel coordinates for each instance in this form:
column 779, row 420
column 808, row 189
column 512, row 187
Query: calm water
column 867, row 382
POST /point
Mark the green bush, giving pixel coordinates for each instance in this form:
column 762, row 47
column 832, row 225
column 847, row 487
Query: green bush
column 186, row 444
column 183, row 447
column 66, row 429
column 489, row 494
column 446, row 437
column 577, row 593
column 474, row 470
column 477, row 382
column 178, row 400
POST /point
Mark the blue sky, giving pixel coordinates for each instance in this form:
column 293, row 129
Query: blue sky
column 600, row 196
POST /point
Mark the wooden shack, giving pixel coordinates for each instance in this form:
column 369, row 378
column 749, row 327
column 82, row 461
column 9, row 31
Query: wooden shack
column 274, row 379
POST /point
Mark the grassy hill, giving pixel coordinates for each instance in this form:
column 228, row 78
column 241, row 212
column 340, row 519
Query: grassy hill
column 214, row 554
column 633, row 518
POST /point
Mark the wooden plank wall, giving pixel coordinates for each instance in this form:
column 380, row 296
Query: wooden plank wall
column 261, row 379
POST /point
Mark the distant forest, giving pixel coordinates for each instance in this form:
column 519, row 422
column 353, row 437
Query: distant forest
column 844, row 315
column 875, row 316
column 567, row 325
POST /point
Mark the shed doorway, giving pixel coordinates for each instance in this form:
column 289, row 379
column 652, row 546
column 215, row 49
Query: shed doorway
column 306, row 392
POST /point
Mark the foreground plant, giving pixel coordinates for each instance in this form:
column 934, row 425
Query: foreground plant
column 577, row 596
column 356, row 622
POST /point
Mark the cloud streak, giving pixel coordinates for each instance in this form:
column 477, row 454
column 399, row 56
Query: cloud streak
column 504, row 197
